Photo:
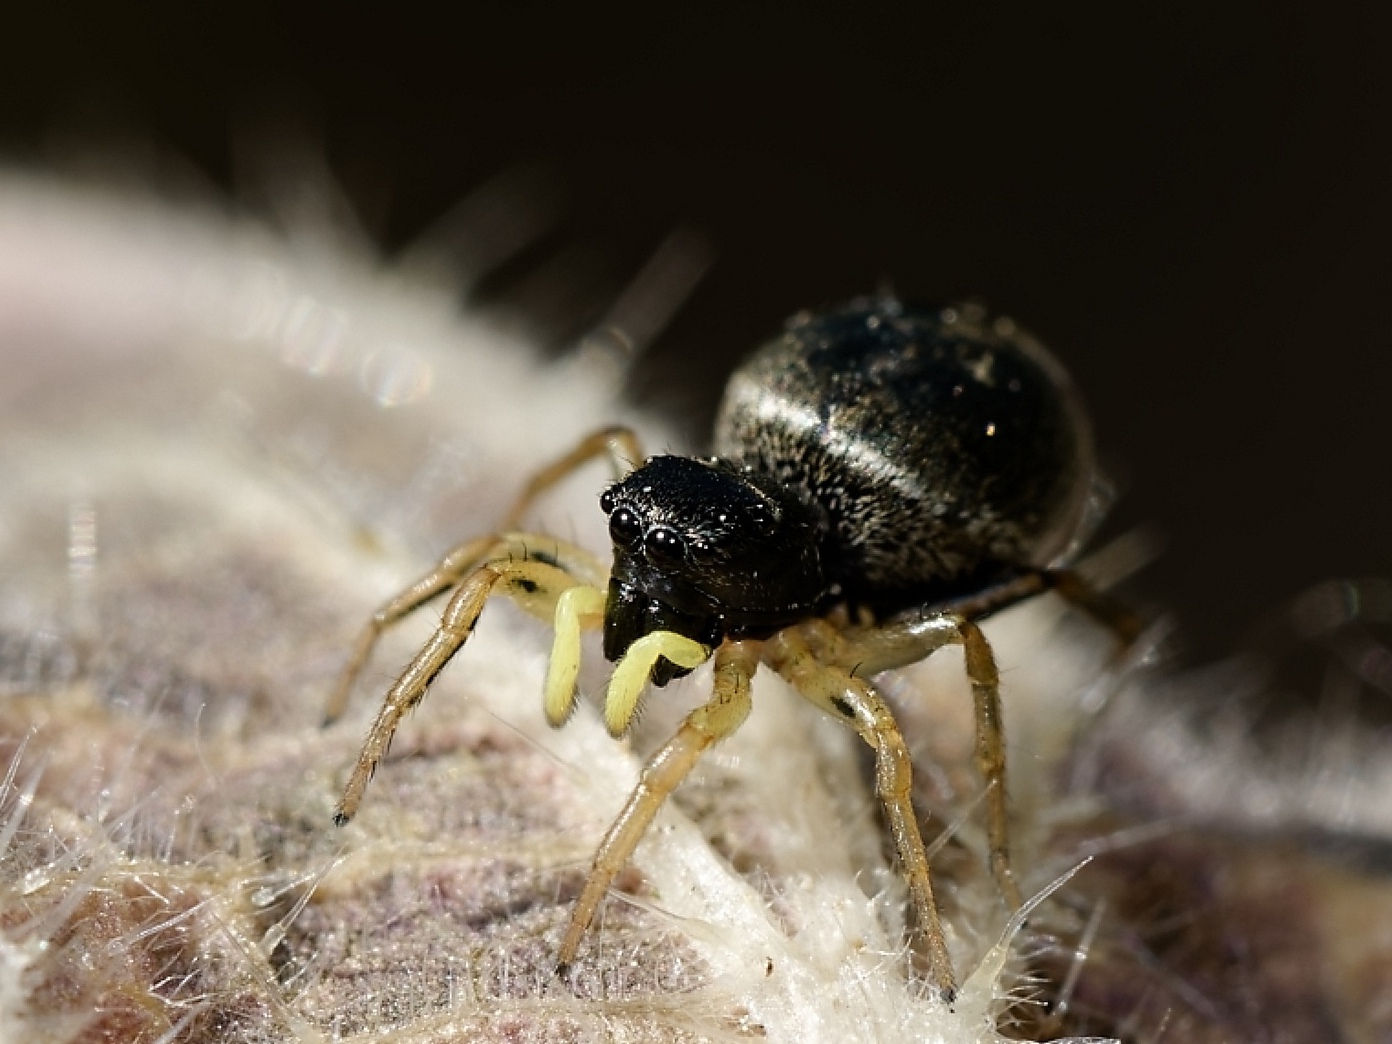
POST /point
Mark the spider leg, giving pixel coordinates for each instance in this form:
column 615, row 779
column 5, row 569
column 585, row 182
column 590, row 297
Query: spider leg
column 621, row 445
column 1127, row 625
column 864, row 649
column 990, row 755
column 856, row 703
column 534, row 571
column 446, row 573
column 624, row 451
column 911, row 636
column 735, row 664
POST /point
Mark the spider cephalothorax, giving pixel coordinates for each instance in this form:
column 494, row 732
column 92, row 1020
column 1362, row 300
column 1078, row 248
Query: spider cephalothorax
column 701, row 550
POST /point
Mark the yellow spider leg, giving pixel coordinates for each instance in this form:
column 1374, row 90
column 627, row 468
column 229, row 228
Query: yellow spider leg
column 446, row 573
column 853, row 701
column 871, row 649
column 990, row 756
column 620, row 443
column 913, row 635
column 633, row 671
column 624, row 451
column 735, row 664
column 578, row 608
column 535, row 585
column 868, row 650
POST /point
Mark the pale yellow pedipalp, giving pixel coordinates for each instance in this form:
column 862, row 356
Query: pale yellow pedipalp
column 633, row 671
column 577, row 607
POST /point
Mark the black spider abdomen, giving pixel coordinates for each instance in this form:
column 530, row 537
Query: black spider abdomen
column 938, row 447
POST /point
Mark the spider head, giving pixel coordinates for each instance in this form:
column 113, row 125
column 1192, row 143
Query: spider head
column 702, row 550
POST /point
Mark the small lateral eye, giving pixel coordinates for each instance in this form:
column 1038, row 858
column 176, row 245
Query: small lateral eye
column 624, row 527
column 700, row 551
column 606, row 502
column 664, row 545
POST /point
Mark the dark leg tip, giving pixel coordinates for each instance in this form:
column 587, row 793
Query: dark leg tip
column 341, row 818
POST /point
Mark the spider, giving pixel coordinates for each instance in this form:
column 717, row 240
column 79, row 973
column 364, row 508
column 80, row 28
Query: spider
column 884, row 477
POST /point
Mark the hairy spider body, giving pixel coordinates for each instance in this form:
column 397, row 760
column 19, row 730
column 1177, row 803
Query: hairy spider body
column 920, row 468
column 939, row 451
column 877, row 455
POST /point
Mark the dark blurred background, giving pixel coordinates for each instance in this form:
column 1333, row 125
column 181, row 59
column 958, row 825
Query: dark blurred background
column 1193, row 208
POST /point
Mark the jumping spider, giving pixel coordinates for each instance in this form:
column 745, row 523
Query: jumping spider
column 884, row 477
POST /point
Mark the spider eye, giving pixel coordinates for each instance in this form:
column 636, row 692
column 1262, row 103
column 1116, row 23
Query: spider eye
column 624, row 526
column 664, row 545
column 606, row 502
column 700, row 551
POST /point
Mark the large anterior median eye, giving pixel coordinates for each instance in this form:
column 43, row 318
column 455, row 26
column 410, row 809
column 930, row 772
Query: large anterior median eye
column 664, row 545
column 624, row 527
